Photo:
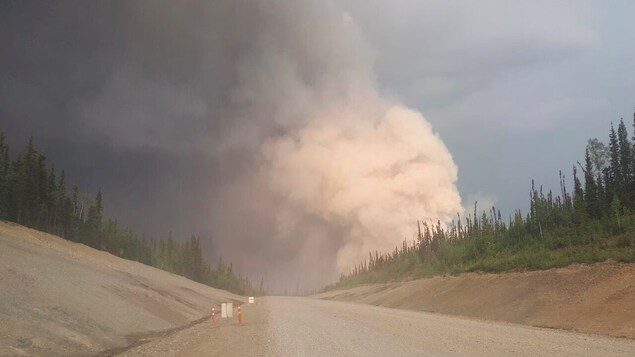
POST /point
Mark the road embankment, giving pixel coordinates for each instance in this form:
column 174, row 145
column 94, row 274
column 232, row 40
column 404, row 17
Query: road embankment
column 597, row 298
column 59, row 298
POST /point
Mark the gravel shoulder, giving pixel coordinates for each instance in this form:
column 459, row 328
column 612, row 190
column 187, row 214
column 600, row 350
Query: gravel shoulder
column 227, row 338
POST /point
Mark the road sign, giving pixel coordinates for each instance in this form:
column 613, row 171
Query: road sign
column 226, row 310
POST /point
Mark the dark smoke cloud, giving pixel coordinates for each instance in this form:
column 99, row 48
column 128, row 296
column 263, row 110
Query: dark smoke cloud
column 256, row 124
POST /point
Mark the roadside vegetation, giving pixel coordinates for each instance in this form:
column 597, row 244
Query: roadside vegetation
column 34, row 194
column 592, row 223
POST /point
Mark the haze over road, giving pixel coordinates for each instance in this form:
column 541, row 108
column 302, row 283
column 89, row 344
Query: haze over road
column 288, row 326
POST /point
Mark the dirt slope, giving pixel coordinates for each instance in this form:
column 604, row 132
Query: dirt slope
column 598, row 298
column 63, row 298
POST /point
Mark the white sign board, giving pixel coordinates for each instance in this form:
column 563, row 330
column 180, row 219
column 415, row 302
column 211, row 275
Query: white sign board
column 251, row 299
column 226, row 310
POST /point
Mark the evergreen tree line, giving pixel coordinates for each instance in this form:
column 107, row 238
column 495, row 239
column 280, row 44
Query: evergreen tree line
column 593, row 223
column 34, row 194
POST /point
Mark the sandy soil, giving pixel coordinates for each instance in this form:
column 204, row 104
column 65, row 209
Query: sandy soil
column 59, row 298
column 598, row 298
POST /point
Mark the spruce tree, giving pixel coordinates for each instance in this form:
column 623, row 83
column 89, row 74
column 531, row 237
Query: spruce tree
column 625, row 163
column 613, row 185
column 579, row 206
column 591, row 198
column 92, row 231
column 4, row 177
column 632, row 186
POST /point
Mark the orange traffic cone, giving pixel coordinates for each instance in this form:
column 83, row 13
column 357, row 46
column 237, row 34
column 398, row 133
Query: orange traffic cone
column 213, row 316
column 240, row 316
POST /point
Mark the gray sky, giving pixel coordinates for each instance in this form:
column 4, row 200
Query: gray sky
column 515, row 88
column 167, row 106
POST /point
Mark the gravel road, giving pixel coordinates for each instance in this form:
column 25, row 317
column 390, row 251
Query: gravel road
column 285, row 326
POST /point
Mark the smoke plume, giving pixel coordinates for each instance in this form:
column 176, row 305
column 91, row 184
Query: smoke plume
column 257, row 122
column 341, row 171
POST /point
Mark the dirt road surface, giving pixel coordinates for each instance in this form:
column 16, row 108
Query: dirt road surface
column 285, row 326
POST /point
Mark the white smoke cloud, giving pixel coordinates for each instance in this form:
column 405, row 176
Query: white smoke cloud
column 344, row 171
column 373, row 171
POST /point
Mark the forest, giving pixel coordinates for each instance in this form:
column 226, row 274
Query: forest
column 594, row 222
column 34, row 194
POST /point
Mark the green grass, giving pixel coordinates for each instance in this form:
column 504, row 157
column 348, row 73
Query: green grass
column 496, row 255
